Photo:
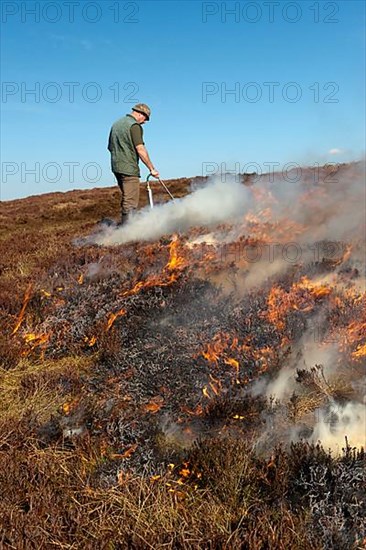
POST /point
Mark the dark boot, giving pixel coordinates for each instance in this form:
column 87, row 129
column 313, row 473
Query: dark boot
column 106, row 222
column 124, row 219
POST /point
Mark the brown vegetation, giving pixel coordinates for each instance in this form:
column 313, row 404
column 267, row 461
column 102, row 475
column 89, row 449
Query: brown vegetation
column 106, row 440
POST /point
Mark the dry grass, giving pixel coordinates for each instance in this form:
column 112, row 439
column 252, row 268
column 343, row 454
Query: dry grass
column 50, row 501
column 36, row 388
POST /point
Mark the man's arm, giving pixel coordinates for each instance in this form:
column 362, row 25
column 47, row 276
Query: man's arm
column 144, row 156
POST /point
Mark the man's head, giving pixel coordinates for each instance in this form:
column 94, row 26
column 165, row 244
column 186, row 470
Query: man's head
column 141, row 112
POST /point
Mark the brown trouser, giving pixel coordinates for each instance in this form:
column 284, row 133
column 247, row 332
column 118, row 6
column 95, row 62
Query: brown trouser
column 130, row 189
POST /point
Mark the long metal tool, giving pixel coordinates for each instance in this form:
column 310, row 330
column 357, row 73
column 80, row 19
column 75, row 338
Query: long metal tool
column 149, row 190
column 166, row 189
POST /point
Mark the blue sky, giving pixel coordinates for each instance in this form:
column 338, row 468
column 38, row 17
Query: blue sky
column 295, row 71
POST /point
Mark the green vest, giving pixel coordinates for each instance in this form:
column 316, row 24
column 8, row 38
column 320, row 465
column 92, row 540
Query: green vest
column 124, row 157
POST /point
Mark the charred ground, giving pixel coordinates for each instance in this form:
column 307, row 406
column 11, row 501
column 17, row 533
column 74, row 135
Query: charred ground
column 129, row 415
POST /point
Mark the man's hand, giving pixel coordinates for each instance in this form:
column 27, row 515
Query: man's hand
column 155, row 173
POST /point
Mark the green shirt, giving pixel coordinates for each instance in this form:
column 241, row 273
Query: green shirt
column 136, row 134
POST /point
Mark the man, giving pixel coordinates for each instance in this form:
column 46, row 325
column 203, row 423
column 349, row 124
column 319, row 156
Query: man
column 127, row 147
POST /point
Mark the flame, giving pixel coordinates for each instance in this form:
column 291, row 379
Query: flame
column 316, row 290
column 175, row 261
column 128, row 452
column 155, row 477
column 360, row 351
column 66, row 408
column 35, row 340
column 245, row 351
column 114, row 316
column 353, row 336
column 346, row 255
column 233, row 363
column 222, row 347
column 185, row 472
column 153, row 281
column 264, row 355
column 32, row 337
column 198, row 411
column 216, row 348
column 69, row 406
column 171, row 270
column 174, row 265
column 355, row 331
column 277, row 307
column 215, row 385
column 90, row 341
column 280, row 301
column 27, row 297
column 264, row 223
column 154, row 405
column 219, row 344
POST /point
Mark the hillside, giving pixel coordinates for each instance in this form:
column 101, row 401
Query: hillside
column 193, row 381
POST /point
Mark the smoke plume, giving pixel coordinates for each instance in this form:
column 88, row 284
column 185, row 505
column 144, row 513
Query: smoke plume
column 338, row 422
column 330, row 209
column 215, row 203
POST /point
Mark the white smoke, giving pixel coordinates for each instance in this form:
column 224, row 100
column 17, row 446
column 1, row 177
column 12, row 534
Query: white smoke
column 331, row 209
column 330, row 206
column 338, row 422
column 332, row 422
column 215, row 203
column 305, row 354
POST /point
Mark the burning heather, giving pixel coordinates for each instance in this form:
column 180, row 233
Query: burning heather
column 211, row 353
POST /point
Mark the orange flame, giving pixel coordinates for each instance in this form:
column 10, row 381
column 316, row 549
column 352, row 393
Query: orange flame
column 198, row 411
column 154, row 405
column 355, row 331
column 24, row 306
column 281, row 301
column 114, row 316
column 216, row 347
column 360, row 352
column 185, row 471
column 69, row 406
column 90, row 341
column 233, row 363
column 36, row 340
column 264, row 355
column 277, row 307
column 318, row 291
column 154, row 281
column 175, row 261
column 128, row 452
column 215, row 388
column 354, row 335
column 174, row 265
